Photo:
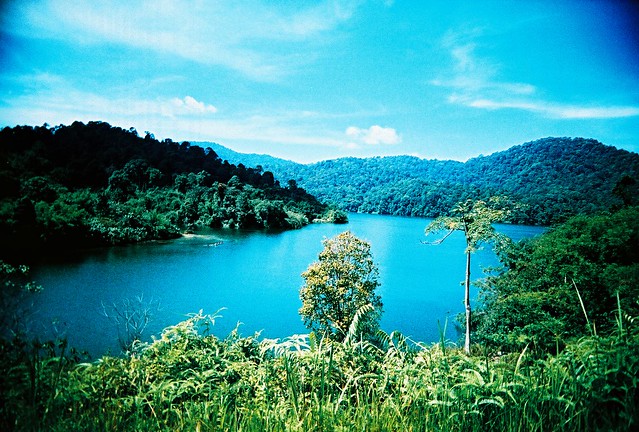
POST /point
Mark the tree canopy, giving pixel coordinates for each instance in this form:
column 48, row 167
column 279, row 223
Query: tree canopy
column 94, row 184
column 553, row 179
column 338, row 286
column 563, row 284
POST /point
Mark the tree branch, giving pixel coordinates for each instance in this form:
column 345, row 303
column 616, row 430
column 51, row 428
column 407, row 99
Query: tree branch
column 440, row 241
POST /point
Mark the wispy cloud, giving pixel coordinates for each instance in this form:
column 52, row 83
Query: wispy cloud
column 58, row 101
column 263, row 41
column 51, row 98
column 474, row 83
column 554, row 110
column 582, row 112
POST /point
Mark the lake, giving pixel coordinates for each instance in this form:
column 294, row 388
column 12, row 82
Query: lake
column 256, row 277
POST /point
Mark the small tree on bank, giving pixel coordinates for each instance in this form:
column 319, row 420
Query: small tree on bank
column 474, row 219
column 338, row 285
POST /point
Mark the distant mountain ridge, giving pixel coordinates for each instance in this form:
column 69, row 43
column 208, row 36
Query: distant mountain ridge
column 267, row 162
column 553, row 178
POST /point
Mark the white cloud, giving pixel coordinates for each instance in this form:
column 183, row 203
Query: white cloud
column 189, row 105
column 262, row 40
column 473, row 75
column 576, row 112
column 51, row 96
column 59, row 102
column 560, row 111
column 374, row 135
column 474, row 84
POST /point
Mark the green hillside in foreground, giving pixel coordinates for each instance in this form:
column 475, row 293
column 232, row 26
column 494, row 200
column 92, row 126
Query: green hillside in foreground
column 553, row 178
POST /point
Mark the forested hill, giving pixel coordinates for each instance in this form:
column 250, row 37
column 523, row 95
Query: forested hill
column 94, row 184
column 277, row 166
column 553, row 178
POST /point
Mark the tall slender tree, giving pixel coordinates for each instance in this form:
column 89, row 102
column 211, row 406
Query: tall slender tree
column 474, row 219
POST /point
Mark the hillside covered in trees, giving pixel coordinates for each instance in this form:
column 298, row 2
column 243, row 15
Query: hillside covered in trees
column 552, row 179
column 94, row 184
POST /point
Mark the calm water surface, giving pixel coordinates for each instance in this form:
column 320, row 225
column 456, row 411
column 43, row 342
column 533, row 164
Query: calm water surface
column 256, row 276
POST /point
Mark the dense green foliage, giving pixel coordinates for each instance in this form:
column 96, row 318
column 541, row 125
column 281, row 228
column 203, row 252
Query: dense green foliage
column 339, row 290
column 189, row 379
column 555, row 372
column 94, row 184
column 554, row 178
column 563, row 284
column 557, row 336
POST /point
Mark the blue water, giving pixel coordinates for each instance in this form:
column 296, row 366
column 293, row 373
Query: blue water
column 256, row 277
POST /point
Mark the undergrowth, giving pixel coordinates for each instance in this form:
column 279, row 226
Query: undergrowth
column 188, row 379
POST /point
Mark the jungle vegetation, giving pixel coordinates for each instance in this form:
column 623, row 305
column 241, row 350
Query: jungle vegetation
column 552, row 179
column 94, row 184
column 555, row 336
column 556, row 349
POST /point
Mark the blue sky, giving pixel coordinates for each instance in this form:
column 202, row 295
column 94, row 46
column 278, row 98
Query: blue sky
column 318, row 80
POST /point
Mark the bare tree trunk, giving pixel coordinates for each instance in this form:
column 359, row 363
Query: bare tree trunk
column 467, row 304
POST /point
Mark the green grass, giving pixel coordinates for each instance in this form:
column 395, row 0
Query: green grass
column 189, row 379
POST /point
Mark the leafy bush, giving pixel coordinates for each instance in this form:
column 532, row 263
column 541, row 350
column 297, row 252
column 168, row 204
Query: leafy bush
column 563, row 284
